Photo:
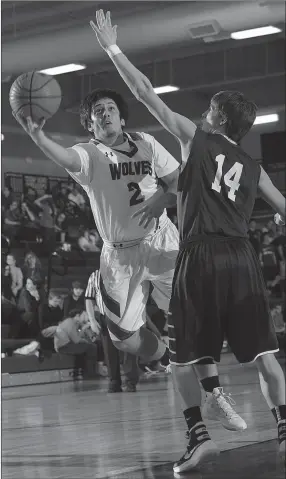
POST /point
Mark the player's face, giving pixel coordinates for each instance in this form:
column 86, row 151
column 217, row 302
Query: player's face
column 105, row 119
column 211, row 119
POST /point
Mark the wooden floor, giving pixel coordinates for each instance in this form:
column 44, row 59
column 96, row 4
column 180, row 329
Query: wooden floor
column 78, row 431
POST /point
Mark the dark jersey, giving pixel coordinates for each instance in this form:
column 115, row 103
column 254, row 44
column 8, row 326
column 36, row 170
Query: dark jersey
column 216, row 189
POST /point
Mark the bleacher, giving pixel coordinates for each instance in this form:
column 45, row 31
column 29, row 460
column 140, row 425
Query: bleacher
column 19, row 370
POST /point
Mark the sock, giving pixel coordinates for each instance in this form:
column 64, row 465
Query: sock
column 192, row 416
column 279, row 412
column 209, row 384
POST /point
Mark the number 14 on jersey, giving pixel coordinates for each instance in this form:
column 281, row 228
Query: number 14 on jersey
column 231, row 178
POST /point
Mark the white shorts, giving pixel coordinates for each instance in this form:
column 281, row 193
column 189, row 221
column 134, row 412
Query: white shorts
column 128, row 274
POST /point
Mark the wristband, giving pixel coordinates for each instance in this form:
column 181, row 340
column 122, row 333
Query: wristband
column 113, row 50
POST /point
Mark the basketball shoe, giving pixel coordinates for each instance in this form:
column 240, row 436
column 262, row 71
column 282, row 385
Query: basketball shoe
column 282, row 438
column 218, row 407
column 200, row 449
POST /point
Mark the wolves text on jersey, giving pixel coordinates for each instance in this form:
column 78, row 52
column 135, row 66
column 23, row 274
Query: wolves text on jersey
column 130, row 168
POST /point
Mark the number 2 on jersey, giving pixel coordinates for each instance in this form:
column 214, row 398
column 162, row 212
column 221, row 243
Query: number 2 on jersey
column 234, row 172
column 135, row 200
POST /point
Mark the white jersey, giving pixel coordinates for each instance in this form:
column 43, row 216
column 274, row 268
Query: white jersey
column 119, row 180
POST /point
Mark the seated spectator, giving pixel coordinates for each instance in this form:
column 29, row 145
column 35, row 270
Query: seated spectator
column 87, row 242
column 76, row 197
column 29, row 198
column 10, row 316
column 271, row 228
column 279, row 244
column 6, row 198
column 32, row 268
column 60, row 196
column 71, row 337
column 29, row 304
column 13, row 276
column 50, row 314
column 268, row 259
column 61, row 226
column 75, row 299
column 254, row 236
column 47, row 222
column 12, row 221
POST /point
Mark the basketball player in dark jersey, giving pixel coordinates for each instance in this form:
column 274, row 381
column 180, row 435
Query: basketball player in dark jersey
column 218, row 289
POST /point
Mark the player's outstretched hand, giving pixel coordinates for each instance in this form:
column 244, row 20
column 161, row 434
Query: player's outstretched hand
column 33, row 129
column 106, row 33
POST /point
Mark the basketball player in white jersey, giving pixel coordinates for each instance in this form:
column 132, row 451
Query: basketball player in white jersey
column 130, row 180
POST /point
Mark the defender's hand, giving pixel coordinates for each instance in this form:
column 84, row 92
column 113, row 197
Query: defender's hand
column 106, row 34
column 33, row 129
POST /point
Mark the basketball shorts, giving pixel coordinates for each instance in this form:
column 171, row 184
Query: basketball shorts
column 129, row 271
column 219, row 293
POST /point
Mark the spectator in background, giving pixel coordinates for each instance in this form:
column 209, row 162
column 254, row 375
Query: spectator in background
column 13, row 274
column 50, row 314
column 47, row 222
column 76, row 197
column 271, row 229
column 10, row 315
column 12, row 221
column 87, row 242
column 32, row 268
column 254, row 236
column 6, row 198
column 279, row 244
column 29, row 197
column 61, row 197
column 29, row 304
column 268, row 259
column 75, row 299
column 70, row 338
column 61, row 226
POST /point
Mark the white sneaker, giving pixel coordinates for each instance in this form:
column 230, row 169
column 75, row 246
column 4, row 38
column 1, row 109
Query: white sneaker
column 218, row 407
column 29, row 349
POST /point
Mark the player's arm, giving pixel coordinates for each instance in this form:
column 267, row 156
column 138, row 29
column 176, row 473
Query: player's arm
column 67, row 158
column 180, row 126
column 271, row 194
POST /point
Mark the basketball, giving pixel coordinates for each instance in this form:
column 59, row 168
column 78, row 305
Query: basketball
column 36, row 95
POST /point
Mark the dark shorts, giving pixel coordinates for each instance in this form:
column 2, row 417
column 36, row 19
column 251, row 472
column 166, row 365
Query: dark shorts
column 219, row 293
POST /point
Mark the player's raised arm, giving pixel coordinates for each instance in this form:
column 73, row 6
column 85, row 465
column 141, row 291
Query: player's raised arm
column 271, row 194
column 180, row 126
column 66, row 158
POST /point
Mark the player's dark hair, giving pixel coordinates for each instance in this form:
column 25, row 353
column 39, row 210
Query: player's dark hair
column 93, row 97
column 240, row 113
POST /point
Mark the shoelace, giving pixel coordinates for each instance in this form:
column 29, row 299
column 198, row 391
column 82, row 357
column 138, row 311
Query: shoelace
column 225, row 403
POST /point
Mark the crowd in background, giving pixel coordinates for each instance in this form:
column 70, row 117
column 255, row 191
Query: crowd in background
column 58, row 217
column 63, row 218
